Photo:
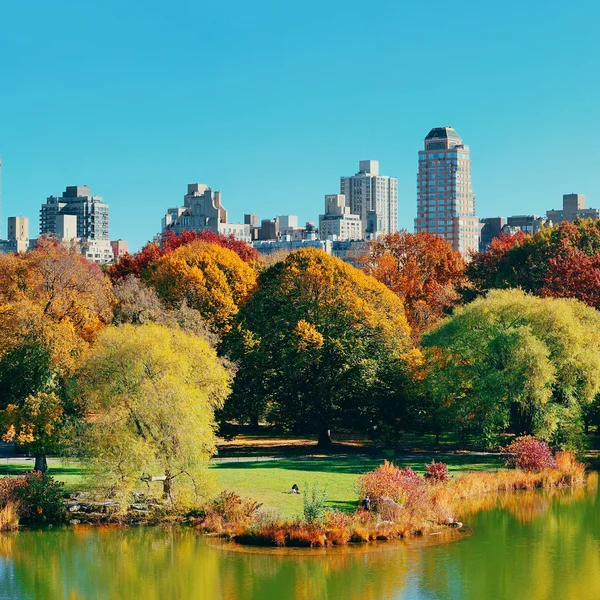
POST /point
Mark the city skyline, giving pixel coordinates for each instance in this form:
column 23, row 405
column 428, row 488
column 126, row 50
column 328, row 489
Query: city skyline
column 257, row 111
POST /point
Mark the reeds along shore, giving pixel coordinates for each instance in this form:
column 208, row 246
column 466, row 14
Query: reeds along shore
column 424, row 506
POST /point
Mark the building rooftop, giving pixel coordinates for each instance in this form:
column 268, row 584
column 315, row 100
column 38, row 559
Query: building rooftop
column 443, row 133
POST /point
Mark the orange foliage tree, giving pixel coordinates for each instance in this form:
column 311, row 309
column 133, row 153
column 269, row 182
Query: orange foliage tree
column 152, row 251
column 207, row 277
column 53, row 303
column 422, row 269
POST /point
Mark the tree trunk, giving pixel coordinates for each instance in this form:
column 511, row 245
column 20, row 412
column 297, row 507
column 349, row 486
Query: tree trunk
column 324, row 437
column 168, row 487
column 41, row 464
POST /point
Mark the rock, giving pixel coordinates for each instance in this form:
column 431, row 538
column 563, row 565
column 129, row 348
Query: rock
column 138, row 507
column 73, row 507
column 455, row 524
column 80, row 496
column 74, row 521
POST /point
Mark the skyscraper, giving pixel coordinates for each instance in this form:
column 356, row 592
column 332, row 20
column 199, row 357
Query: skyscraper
column 445, row 202
column 373, row 197
column 78, row 212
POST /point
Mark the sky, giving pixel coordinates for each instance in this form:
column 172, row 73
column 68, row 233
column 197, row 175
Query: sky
column 270, row 102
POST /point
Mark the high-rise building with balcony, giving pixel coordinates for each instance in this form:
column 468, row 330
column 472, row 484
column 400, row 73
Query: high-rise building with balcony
column 77, row 215
column 373, row 197
column 445, row 199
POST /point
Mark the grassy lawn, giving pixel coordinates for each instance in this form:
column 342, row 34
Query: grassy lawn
column 71, row 473
column 269, row 481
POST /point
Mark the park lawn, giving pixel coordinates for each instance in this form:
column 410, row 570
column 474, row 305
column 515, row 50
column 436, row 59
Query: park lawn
column 70, row 473
column 269, row 482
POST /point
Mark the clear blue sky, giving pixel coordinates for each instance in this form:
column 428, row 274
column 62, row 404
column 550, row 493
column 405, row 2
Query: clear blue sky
column 270, row 102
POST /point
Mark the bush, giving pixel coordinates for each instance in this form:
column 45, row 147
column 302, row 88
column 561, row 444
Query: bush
column 314, row 505
column 436, row 472
column 232, row 508
column 530, row 454
column 38, row 498
column 403, row 486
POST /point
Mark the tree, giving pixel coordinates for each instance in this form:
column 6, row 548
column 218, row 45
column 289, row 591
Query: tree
column 38, row 421
column 136, row 265
column 422, row 269
column 207, row 277
column 511, row 359
column 52, row 305
column 150, row 393
column 316, row 345
column 561, row 262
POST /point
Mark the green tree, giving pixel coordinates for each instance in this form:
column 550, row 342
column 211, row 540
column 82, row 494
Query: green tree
column 511, row 359
column 150, row 393
column 315, row 345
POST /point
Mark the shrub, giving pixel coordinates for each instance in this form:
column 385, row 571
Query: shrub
column 436, row 472
column 530, row 454
column 314, row 505
column 40, row 498
column 403, row 486
column 232, row 508
column 37, row 497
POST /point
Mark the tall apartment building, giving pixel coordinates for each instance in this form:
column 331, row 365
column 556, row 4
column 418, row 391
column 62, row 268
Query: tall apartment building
column 445, row 202
column 18, row 236
column 201, row 211
column 77, row 215
column 373, row 197
column 338, row 223
column 91, row 212
column 573, row 208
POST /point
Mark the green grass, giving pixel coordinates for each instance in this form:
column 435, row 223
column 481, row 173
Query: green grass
column 269, row 482
column 70, row 473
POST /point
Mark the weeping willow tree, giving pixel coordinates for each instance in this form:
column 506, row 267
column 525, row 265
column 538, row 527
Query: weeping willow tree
column 149, row 393
column 511, row 360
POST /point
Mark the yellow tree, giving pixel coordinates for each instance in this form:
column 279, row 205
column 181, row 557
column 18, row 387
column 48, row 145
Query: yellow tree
column 209, row 278
column 149, row 393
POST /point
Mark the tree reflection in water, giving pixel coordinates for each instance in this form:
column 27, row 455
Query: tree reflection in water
column 526, row 545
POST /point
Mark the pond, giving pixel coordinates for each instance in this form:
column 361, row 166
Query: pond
column 525, row 545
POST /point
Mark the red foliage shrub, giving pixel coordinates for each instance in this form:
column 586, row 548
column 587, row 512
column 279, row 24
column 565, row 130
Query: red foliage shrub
column 436, row 471
column 403, row 486
column 38, row 497
column 530, row 454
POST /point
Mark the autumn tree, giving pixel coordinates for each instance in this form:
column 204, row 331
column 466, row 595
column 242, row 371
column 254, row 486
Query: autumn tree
column 317, row 345
column 52, row 305
column 513, row 360
column 207, row 277
column 150, row 393
column 136, row 264
column 422, row 269
column 561, row 262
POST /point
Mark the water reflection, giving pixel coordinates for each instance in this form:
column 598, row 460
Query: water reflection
column 529, row 545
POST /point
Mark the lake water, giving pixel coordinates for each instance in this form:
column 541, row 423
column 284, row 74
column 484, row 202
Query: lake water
column 527, row 545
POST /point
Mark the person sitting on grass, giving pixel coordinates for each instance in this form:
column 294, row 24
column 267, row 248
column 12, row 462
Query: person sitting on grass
column 366, row 503
column 295, row 489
